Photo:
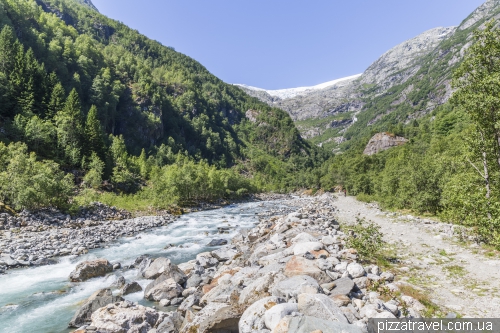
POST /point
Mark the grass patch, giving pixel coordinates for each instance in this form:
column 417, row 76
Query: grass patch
column 129, row 202
column 455, row 270
column 431, row 309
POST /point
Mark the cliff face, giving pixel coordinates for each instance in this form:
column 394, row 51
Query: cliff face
column 403, row 61
column 405, row 83
column 383, row 141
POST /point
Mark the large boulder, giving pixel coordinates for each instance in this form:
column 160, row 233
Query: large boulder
column 320, row 306
column 142, row 263
column 130, row 288
column 189, row 302
column 253, row 317
column 98, row 299
column 171, row 323
column 307, row 324
column 225, row 253
column 215, row 317
column 343, row 286
column 294, row 286
column 302, row 248
column 303, row 237
column 125, row 317
column 90, row 269
column 163, row 266
column 274, row 315
column 164, row 289
column 257, row 289
column 302, row 266
column 206, row 260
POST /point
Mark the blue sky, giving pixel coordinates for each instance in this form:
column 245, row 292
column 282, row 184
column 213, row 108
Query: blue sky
column 277, row 44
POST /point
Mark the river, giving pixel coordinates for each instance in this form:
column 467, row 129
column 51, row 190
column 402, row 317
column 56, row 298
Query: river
column 43, row 300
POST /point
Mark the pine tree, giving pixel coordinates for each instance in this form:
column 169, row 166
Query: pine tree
column 57, row 100
column 7, row 49
column 69, row 123
column 94, row 134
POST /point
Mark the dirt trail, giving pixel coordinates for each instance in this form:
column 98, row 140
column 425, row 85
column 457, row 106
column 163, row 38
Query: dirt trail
column 458, row 277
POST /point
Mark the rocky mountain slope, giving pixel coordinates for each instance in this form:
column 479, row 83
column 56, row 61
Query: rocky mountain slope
column 415, row 75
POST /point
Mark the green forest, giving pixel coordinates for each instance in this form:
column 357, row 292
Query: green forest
column 91, row 109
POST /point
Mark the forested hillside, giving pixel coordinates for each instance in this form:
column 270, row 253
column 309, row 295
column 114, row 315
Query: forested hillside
column 85, row 99
column 450, row 167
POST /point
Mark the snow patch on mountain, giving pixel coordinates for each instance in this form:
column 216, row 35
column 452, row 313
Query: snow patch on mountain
column 293, row 92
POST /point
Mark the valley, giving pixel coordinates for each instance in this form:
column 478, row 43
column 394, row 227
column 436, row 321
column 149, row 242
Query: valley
column 141, row 193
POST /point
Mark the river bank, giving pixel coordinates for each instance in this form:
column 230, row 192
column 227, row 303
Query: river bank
column 42, row 237
column 290, row 273
column 43, row 299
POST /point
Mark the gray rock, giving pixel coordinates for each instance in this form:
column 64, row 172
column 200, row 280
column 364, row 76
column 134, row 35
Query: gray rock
column 162, row 288
column 225, row 253
column 274, row 315
column 164, row 267
column 142, row 263
column 130, row 288
column 361, row 282
column 217, row 242
column 356, row 270
column 302, row 248
column 90, row 269
column 124, row 317
column 171, row 323
column 328, row 240
column 120, row 282
column 165, row 302
column 206, row 260
column 176, row 301
column 97, row 300
column 343, row 287
column 295, row 286
column 253, row 317
column 303, row 237
column 188, row 303
column 222, row 317
column 308, row 324
column 320, row 306
column 193, row 281
column 387, row 276
column 309, row 256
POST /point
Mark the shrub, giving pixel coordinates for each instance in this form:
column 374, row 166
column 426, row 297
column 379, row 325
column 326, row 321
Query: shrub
column 366, row 238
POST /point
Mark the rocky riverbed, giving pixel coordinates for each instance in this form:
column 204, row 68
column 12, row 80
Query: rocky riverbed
column 32, row 239
column 39, row 241
column 291, row 273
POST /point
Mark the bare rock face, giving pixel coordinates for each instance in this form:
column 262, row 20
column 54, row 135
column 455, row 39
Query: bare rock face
column 98, row 300
column 383, row 141
column 125, row 317
column 90, row 269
